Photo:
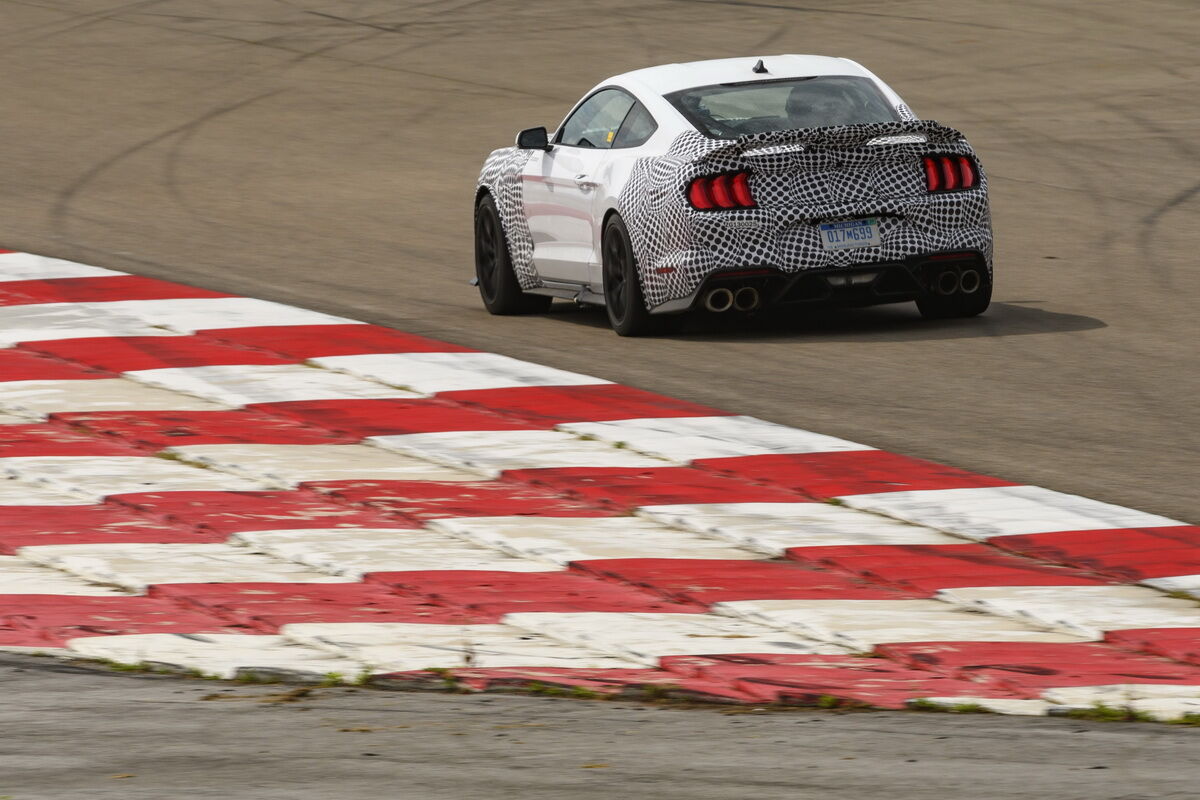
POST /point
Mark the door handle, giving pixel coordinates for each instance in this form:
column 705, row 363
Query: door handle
column 583, row 183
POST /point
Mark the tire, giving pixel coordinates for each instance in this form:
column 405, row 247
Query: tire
column 498, row 287
column 623, row 299
column 957, row 305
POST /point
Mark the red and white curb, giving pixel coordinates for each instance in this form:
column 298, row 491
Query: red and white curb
column 234, row 486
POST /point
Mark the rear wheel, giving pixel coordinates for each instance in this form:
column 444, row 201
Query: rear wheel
column 498, row 285
column 623, row 299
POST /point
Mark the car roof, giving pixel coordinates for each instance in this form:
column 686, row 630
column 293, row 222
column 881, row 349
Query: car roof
column 669, row 78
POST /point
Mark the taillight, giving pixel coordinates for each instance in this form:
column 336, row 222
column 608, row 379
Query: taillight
column 949, row 173
column 729, row 190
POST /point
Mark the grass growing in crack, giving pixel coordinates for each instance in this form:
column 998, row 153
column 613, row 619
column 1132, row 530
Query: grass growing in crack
column 332, row 679
column 1191, row 720
column 362, row 678
column 1103, row 713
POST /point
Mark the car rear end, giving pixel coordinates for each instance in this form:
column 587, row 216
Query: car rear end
column 852, row 214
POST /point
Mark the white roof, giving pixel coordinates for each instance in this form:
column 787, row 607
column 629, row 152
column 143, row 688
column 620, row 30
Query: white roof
column 673, row 77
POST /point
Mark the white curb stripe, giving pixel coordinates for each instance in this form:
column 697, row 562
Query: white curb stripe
column 28, row 267
column 240, row 385
column 685, row 439
column 20, row 576
column 489, row 453
column 560, row 540
column 96, row 477
column 48, row 321
column 1004, row 510
column 430, row 373
column 36, row 399
column 286, row 465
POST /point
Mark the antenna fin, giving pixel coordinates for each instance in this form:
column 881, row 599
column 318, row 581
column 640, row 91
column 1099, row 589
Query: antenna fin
column 759, row 67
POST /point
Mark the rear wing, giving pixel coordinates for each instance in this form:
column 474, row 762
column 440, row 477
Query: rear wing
column 840, row 136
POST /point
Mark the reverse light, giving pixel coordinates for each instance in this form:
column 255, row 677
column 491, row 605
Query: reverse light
column 946, row 173
column 729, row 190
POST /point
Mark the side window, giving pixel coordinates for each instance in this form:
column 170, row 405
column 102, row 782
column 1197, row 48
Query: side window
column 595, row 123
column 636, row 129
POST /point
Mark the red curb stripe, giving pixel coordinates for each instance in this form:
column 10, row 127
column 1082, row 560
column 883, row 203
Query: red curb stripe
column 421, row 501
column 502, row 593
column 97, row 290
column 156, row 430
column 547, row 406
column 40, row 620
column 300, row 342
column 1129, row 554
column 19, row 365
column 22, row 526
column 364, row 418
column 40, row 439
column 130, row 353
column 708, row 581
column 930, row 567
column 227, row 513
column 828, row 475
column 627, row 488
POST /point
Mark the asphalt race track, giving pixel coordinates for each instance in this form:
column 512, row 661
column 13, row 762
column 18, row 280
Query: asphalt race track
column 323, row 153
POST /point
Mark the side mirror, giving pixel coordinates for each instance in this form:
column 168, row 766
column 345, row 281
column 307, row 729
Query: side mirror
column 533, row 139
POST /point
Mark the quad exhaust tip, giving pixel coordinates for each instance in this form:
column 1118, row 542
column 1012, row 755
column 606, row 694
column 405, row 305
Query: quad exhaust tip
column 718, row 300
column 970, row 281
column 746, row 298
column 947, row 282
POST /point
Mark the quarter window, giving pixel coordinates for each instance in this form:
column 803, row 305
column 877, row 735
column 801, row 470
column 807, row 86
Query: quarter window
column 596, row 122
column 637, row 128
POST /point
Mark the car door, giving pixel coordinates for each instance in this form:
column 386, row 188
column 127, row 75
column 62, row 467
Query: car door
column 560, row 187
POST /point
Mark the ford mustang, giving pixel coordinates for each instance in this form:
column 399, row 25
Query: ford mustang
column 732, row 185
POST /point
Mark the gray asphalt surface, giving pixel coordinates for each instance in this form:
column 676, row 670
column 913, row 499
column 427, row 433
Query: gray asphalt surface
column 323, row 153
column 167, row 738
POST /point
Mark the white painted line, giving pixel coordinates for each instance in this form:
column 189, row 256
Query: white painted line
column 402, row 646
column 687, row 439
column 560, row 540
column 1004, row 510
column 96, row 477
column 354, row 552
column 1168, row 709
column 772, row 528
column 28, row 267
column 646, row 637
column 215, row 654
column 861, row 624
column 1086, row 611
column 1118, row 695
column 430, row 373
column 239, row 385
column 1190, row 584
column 285, row 465
column 489, row 453
column 19, row 576
column 36, row 399
column 135, row 566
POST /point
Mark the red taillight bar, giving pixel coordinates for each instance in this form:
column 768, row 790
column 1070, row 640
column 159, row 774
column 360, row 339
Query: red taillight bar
column 945, row 173
column 727, row 191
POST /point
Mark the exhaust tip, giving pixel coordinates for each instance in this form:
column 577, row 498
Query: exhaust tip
column 970, row 281
column 746, row 298
column 946, row 282
column 718, row 300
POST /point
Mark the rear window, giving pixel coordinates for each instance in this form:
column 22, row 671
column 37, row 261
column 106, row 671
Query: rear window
column 729, row 110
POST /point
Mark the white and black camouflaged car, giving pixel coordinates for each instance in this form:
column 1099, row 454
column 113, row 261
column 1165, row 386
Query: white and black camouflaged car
column 731, row 185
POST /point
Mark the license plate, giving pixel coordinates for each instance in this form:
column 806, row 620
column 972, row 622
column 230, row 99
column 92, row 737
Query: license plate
column 851, row 233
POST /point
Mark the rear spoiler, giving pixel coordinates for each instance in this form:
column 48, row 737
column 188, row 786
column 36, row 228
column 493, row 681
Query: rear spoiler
column 839, row 136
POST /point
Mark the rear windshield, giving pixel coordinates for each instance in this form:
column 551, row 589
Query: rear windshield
column 729, row 110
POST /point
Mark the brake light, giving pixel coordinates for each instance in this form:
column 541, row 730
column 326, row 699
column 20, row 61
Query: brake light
column 729, row 190
column 949, row 173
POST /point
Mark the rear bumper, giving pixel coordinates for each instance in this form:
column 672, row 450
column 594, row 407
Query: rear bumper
column 858, row 285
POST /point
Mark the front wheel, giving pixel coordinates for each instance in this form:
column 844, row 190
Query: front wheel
column 498, row 287
column 623, row 299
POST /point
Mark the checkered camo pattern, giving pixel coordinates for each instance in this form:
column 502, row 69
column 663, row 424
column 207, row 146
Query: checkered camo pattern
column 800, row 178
column 501, row 177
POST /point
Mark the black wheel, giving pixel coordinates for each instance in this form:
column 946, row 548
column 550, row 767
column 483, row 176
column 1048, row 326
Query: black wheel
column 623, row 298
column 493, row 267
column 948, row 306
